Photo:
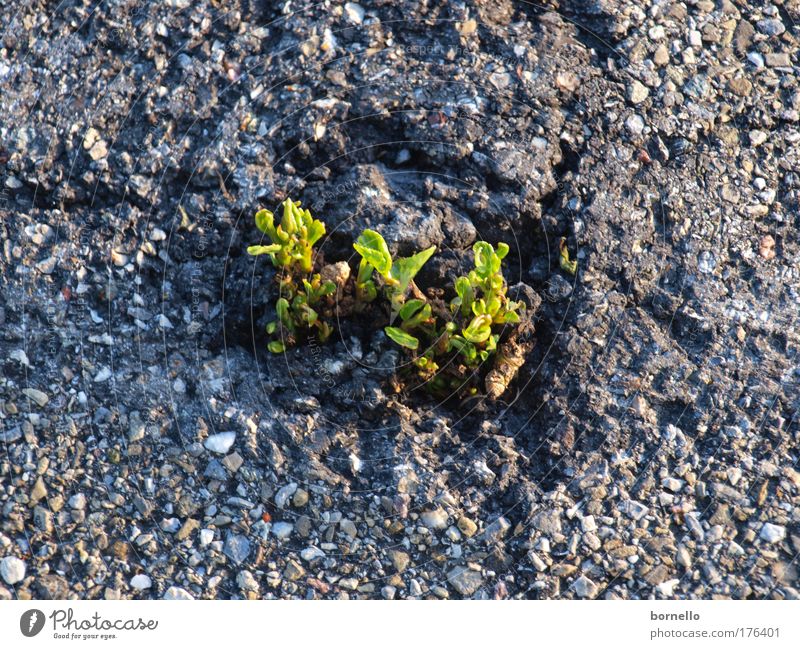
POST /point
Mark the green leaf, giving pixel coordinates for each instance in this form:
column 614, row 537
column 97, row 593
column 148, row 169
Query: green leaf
column 265, row 221
column 479, row 329
column 263, row 250
column 276, row 347
column 309, row 315
column 479, row 307
column 464, row 347
column 282, row 235
column 372, row 247
column 282, row 309
column 510, row 317
column 570, row 266
column 483, row 252
column 272, row 327
column 502, row 250
column 410, row 308
column 406, row 268
column 420, row 317
column 324, row 330
column 466, row 295
column 487, row 263
column 402, row 338
column 364, row 271
column 366, row 292
column 493, row 305
column 315, row 232
column 288, row 224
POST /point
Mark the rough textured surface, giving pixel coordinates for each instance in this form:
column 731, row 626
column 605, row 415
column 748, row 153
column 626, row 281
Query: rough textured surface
column 649, row 447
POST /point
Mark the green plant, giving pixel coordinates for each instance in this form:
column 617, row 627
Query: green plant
column 482, row 301
column 292, row 239
column 448, row 346
column 570, row 266
column 300, row 297
column 478, row 313
column 297, row 313
column 397, row 274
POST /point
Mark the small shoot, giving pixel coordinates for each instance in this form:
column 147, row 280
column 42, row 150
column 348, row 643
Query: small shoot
column 300, row 297
column 397, row 274
column 567, row 265
column 480, row 311
column 292, row 239
column 481, row 302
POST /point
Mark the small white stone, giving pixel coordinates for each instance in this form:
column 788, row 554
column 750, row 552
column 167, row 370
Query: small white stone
column 634, row 509
column 206, row 537
column 103, row 375
column 500, row 79
column 355, row 12
column 246, row 581
column 706, row 262
column 37, row 396
column 141, row 582
column 757, row 137
column 772, row 533
column 311, row 553
column 20, row 356
column 282, row 530
column 174, row 592
column 221, row 442
column 584, row 587
column 635, row 124
column 170, row 525
column 673, row 484
column 284, row 493
column 637, row 92
column 436, row 519
column 355, row 463
column 78, row 501
column 667, row 588
column 99, row 150
column 90, row 138
column 12, row 570
column 163, row 321
column 329, row 42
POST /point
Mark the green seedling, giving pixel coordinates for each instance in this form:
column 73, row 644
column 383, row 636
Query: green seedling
column 481, row 302
column 479, row 311
column 292, row 239
column 414, row 315
column 300, row 298
column 397, row 274
column 567, row 265
column 448, row 357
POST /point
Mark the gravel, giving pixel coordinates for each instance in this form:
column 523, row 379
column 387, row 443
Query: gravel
column 12, row 570
column 648, row 447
